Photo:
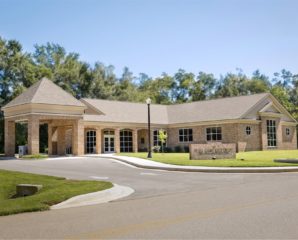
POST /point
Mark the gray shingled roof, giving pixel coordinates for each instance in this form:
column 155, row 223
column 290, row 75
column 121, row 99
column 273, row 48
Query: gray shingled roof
column 213, row 110
column 126, row 112
column 46, row 92
column 209, row 110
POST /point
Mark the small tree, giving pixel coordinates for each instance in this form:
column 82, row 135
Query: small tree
column 162, row 136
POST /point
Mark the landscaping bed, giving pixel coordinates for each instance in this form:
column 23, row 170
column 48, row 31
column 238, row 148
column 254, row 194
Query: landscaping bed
column 35, row 156
column 55, row 190
column 243, row 159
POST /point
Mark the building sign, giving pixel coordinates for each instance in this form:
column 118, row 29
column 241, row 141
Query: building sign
column 212, row 151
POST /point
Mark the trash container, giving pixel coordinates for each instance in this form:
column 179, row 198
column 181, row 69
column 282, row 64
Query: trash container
column 22, row 150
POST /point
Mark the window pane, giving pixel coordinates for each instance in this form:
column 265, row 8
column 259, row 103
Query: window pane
column 208, row 137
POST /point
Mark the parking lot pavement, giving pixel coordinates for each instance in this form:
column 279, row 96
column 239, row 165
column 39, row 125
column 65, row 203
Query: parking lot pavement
column 165, row 204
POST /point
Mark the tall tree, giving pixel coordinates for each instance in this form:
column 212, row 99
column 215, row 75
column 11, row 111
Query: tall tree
column 125, row 87
column 232, row 85
column 259, row 83
column 184, row 83
column 203, row 88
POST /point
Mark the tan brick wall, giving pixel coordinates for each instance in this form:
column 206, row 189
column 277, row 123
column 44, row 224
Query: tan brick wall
column 289, row 141
column 98, row 140
column 50, row 139
column 231, row 133
column 250, row 142
column 33, row 135
column 143, row 134
column 283, row 142
column 78, row 139
column 61, row 140
column 135, row 140
column 9, row 138
column 117, row 140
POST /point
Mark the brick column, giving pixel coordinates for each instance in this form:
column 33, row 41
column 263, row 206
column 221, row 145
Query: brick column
column 264, row 133
column 135, row 140
column 78, row 138
column 33, row 135
column 61, row 140
column 117, row 140
column 279, row 134
column 50, row 136
column 9, row 138
column 98, row 140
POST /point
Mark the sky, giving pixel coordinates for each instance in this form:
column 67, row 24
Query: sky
column 156, row 36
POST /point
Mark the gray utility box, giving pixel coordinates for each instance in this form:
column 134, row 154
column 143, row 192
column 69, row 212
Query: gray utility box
column 22, row 150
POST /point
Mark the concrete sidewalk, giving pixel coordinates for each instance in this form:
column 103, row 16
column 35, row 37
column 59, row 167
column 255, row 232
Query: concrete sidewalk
column 108, row 195
column 148, row 164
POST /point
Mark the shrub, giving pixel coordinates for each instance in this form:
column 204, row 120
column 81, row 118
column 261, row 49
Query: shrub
column 168, row 150
column 156, row 149
column 178, row 149
column 186, row 149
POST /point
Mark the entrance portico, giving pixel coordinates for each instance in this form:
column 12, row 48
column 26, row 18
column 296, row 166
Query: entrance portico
column 46, row 103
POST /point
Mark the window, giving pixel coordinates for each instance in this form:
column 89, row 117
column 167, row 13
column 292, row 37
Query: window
column 287, row 131
column 185, row 135
column 142, row 140
column 248, row 130
column 126, row 141
column 156, row 141
column 90, row 141
column 213, row 134
column 271, row 133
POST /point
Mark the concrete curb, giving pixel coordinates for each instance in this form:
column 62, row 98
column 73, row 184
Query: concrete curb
column 108, row 195
column 168, row 167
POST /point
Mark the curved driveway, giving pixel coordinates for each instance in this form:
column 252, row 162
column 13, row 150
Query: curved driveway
column 164, row 205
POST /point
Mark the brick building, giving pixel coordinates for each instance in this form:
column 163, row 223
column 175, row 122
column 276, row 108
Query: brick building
column 255, row 122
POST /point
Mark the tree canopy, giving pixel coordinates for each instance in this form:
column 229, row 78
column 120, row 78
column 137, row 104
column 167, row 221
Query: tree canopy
column 19, row 70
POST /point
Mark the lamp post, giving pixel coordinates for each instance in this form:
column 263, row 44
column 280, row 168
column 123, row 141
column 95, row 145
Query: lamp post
column 148, row 101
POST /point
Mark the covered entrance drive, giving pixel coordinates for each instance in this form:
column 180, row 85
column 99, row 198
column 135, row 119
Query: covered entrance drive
column 46, row 103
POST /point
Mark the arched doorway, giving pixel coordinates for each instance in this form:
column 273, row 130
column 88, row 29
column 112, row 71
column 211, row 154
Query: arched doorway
column 109, row 141
column 126, row 140
column 91, row 141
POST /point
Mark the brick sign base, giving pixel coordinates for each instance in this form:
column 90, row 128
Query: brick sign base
column 212, row 151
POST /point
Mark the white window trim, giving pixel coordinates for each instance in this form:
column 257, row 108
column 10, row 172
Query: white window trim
column 211, row 135
column 184, row 135
column 250, row 131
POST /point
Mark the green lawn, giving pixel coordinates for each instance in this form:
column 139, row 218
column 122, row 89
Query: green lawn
column 251, row 159
column 55, row 190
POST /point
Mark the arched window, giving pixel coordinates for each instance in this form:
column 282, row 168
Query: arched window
column 248, row 130
column 90, row 141
column 126, row 144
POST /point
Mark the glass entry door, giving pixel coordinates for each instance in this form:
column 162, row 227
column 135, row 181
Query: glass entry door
column 109, row 143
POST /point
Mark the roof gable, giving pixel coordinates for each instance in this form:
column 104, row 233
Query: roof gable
column 213, row 110
column 45, row 92
column 269, row 105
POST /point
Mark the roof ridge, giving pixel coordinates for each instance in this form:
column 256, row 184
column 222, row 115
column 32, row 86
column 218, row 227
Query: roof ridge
column 38, row 83
column 176, row 104
column 113, row 100
column 220, row 98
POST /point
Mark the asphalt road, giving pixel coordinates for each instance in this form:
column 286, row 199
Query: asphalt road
column 165, row 204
